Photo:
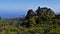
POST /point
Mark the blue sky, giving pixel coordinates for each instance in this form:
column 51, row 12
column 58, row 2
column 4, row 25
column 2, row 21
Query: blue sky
column 14, row 8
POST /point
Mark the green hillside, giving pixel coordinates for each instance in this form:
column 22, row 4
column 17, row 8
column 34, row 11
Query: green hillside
column 41, row 21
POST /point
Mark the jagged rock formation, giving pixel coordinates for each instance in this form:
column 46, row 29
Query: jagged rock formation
column 41, row 14
column 47, row 12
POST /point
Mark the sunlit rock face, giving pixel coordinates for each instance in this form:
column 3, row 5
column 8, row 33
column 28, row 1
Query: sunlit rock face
column 48, row 12
column 45, row 12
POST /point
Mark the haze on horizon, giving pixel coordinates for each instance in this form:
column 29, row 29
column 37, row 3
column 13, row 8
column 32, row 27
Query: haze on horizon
column 15, row 8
